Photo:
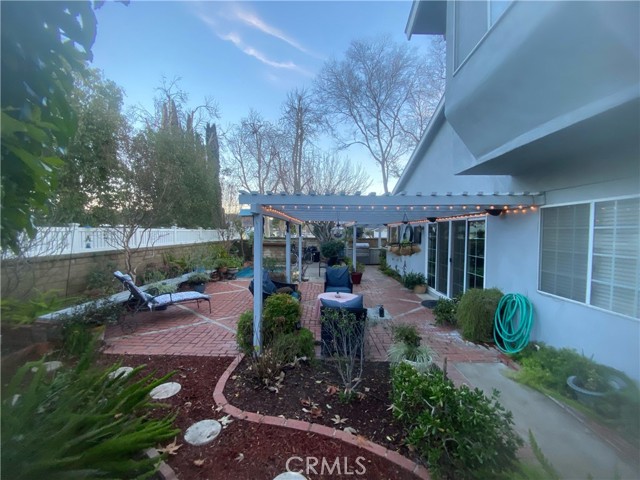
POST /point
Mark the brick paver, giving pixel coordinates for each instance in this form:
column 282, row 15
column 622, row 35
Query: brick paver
column 188, row 330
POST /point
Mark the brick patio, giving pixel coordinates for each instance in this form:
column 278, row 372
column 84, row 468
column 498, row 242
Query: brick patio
column 187, row 330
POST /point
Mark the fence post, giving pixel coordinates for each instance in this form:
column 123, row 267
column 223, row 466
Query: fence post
column 175, row 234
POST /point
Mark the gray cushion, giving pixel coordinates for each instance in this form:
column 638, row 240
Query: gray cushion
column 357, row 302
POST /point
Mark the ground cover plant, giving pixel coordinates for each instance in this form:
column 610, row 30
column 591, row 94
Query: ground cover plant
column 546, row 369
column 80, row 422
column 459, row 432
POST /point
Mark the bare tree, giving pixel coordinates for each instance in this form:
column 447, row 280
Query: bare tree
column 329, row 173
column 253, row 153
column 374, row 92
column 300, row 122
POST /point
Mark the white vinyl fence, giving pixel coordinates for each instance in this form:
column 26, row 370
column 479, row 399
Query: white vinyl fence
column 51, row 241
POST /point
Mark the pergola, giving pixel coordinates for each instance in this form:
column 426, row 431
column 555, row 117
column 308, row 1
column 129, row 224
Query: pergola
column 364, row 210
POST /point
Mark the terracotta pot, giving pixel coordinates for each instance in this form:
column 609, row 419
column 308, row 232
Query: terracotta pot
column 420, row 289
column 356, row 278
column 406, row 250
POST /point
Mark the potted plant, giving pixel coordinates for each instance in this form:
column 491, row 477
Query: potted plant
column 406, row 348
column 356, row 273
column 415, row 281
column 221, row 264
column 331, row 250
column 197, row 280
column 233, row 264
column 592, row 383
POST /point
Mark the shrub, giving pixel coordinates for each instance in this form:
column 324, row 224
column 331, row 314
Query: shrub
column 412, row 279
column 153, row 275
column 445, row 311
column 80, row 424
column 101, row 280
column 461, row 433
column 20, row 311
column 197, row 277
column 281, row 315
column 407, row 334
column 475, row 313
column 343, row 338
column 244, row 334
column 160, row 288
column 294, row 345
column 332, row 248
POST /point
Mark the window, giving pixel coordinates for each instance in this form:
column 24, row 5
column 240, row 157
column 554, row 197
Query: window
column 616, row 237
column 590, row 254
column 431, row 255
column 565, row 245
column 475, row 255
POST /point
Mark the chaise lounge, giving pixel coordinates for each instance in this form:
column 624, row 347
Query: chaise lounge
column 139, row 300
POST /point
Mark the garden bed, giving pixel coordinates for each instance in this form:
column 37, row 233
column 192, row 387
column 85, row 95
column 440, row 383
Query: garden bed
column 257, row 451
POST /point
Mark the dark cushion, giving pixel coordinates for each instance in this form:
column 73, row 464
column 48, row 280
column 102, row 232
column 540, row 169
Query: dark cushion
column 357, row 302
column 284, row 290
column 268, row 286
column 337, row 277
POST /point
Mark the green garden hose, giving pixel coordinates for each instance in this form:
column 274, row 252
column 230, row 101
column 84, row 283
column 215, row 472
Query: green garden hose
column 513, row 322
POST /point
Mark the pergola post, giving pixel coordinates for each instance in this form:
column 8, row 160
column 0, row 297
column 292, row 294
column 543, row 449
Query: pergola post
column 379, row 238
column 288, row 252
column 353, row 252
column 299, row 253
column 258, row 235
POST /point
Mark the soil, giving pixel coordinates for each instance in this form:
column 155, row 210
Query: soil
column 246, row 450
column 318, row 384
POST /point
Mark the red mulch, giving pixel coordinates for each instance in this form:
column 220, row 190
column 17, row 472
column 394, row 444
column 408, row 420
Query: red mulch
column 245, row 450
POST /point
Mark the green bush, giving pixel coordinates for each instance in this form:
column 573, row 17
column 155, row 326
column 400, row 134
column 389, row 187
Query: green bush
column 281, row 314
column 79, row 423
column 407, row 334
column 160, row 288
column 294, row 345
column 101, row 280
column 21, row 311
column 475, row 313
column 412, row 279
column 461, row 433
column 445, row 311
column 332, row 248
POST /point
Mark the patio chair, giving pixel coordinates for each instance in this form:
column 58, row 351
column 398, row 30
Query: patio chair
column 270, row 287
column 139, row 300
column 338, row 279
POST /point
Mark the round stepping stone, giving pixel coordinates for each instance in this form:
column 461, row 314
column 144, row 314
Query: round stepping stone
column 165, row 390
column 202, row 432
column 49, row 366
column 121, row 372
column 290, row 476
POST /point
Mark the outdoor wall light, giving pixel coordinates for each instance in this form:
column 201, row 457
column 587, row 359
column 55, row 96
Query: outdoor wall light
column 494, row 212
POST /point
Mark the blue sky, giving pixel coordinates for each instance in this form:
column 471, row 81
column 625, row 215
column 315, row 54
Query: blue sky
column 243, row 54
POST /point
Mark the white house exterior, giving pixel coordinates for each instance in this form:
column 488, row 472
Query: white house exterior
column 540, row 97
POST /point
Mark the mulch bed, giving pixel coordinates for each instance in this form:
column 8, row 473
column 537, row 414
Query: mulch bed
column 317, row 384
column 246, row 450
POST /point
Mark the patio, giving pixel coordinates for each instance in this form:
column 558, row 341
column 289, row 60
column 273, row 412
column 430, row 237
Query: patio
column 181, row 330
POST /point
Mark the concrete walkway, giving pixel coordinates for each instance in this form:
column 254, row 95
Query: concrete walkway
column 572, row 447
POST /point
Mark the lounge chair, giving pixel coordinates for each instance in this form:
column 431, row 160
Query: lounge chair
column 139, row 300
column 269, row 287
column 338, row 279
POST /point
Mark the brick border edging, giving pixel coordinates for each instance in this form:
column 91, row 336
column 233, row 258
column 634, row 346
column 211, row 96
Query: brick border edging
column 379, row 450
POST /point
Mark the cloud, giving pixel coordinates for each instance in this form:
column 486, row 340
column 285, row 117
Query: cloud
column 253, row 52
column 254, row 21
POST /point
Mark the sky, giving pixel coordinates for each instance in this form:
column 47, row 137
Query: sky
column 242, row 54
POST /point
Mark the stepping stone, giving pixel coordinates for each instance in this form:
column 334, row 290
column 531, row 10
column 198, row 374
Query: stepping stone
column 290, row 476
column 121, row 372
column 165, row 390
column 203, row 432
column 49, row 366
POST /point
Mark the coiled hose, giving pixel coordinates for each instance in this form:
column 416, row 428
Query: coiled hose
column 513, row 322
